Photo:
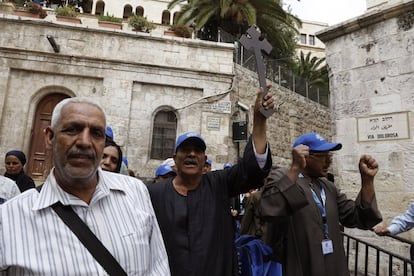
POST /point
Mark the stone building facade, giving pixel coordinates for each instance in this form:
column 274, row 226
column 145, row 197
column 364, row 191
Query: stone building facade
column 308, row 41
column 372, row 80
column 156, row 11
column 134, row 76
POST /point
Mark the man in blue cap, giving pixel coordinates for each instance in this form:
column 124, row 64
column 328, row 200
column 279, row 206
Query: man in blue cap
column 163, row 171
column 193, row 208
column 207, row 166
column 227, row 165
column 308, row 210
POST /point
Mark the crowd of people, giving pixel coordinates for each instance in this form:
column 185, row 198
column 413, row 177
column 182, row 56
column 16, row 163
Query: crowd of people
column 185, row 222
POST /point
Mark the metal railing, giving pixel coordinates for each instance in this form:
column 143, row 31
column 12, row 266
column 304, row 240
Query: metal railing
column 275, row 71
column 369, row 259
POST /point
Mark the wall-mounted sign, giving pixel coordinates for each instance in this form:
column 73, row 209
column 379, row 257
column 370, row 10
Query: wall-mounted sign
column 390, row 126
column 218, row 107
column 213, row 123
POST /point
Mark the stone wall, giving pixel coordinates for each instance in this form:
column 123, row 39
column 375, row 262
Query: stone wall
column 372, row 75
column 296, row 114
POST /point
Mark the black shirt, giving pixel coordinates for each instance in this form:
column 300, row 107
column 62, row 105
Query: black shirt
column 198, row 230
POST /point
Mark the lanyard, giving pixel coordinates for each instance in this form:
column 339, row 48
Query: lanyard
column 321, row 206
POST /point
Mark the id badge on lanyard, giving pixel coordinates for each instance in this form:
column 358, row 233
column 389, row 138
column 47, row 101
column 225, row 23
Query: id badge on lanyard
column 327, row 245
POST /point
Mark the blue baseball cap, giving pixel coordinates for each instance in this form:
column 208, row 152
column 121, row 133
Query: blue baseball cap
column 109, row 132
column 169, row 161
column 315, row 142
column 125, row 161
column 195, row 137
column 227, row 165
column 163, row 170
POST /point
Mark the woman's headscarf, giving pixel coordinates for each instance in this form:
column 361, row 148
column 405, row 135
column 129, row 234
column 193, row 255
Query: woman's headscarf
column 19, row 154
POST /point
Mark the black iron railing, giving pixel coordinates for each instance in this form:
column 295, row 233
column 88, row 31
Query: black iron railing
column 368, row 259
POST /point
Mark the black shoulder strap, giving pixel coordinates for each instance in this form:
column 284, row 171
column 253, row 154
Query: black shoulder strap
column 88, row 238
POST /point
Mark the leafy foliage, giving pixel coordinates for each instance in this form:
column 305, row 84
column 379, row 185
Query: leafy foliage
column 140, row 23
column 181, row 30
column 66, row 11
column 312, row 69
column 36, row 9
column 235, row 16
column 110, row 18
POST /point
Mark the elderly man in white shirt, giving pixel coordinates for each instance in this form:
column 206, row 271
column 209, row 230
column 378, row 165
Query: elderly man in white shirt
column 33, row 238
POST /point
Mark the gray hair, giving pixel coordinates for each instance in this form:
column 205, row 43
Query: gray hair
column 57, row 111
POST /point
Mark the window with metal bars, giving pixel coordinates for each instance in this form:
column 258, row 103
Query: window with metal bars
column 163, row 135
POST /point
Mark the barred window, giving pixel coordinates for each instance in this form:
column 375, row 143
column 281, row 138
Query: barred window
column 163, row 135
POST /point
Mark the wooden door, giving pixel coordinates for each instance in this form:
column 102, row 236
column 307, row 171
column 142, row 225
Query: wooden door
column 40, row 160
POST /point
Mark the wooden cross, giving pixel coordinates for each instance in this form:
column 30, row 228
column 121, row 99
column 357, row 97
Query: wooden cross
column 251, row 40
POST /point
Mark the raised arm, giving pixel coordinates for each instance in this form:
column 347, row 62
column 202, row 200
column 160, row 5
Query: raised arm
column 259, row 121
column 368, row 168
column 299, row 154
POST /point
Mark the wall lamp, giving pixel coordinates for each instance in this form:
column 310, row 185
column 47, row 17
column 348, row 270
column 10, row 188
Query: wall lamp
column 53, row 43
column 243, row 106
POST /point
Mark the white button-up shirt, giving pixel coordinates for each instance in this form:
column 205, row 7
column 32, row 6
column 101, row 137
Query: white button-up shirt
column 35, row 241
column 8, row 189
column 403, row 222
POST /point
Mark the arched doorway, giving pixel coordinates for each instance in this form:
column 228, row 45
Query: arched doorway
column 139, row 11
column 127, row 11
column 40, row 160
column 87, row 6
column 165, row 20
column 100, row 8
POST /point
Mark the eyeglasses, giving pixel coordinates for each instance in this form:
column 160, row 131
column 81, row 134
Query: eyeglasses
column 321, row 155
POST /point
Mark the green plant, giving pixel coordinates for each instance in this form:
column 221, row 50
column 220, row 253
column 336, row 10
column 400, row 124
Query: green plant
column 182, row 30
column 36, row 9
column 140, row 23
column 278, row 25
column 66, row 11
column 110, row 18
column 17, row 3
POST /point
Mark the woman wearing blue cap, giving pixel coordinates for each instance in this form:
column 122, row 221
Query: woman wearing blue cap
column 14, row 162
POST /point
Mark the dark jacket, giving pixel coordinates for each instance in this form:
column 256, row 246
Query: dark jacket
column 23, row 181
column 302, row 224
column 198, row 229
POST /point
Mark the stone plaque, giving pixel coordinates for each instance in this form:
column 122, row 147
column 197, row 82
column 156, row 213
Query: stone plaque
column 218, row 107
column 390, row 126
column 213, row 123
